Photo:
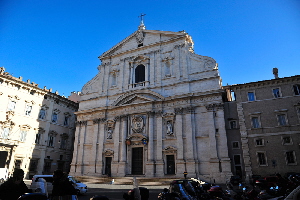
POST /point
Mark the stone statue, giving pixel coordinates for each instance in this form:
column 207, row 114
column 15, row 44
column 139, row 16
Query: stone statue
column 2, row 69
column 169, row 128
column 109, row 134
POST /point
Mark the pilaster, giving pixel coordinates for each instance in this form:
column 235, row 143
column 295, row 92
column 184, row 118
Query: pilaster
column 122, row 163
column 159, row 158
column 178, row 131
column 150, row 161
column 99, row 146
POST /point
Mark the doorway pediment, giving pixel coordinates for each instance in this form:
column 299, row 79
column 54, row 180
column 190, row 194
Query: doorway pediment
column 137, row 97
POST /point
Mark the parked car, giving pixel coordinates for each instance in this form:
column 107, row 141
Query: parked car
column 80, row 187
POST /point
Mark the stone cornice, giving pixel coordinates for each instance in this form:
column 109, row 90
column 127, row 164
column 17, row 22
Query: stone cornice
column 6, row 78
column 264, row 82
column 194, row 98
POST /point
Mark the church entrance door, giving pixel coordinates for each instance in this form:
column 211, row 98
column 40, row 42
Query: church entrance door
column 137, row 161
column 170, row 164
column 108, row 166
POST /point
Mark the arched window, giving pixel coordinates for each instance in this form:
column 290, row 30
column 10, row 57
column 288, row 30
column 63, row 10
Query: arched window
column 140, row 74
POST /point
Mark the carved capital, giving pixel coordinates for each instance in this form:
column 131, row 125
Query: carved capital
column 117, row 118
column 151, row 113
column 81, row 123
column 96, row 121
column 124, row 117
column 212, row 107
column 158, row 113
column 178, row 111
column 110, row 123
column 190, row 109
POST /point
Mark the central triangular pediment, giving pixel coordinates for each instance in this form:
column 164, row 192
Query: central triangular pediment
column 137, row 97
column 150, row 37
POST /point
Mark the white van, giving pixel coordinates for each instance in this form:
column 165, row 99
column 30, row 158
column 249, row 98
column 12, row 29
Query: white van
column 35, row 184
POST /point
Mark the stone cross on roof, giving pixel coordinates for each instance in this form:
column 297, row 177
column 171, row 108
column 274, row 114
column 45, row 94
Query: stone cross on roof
column 141, row 16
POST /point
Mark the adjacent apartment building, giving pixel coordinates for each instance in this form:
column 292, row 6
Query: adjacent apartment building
column 263, row 126
column 37, row 127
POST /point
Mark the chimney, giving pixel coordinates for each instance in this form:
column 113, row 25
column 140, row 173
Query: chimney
column 275, row 72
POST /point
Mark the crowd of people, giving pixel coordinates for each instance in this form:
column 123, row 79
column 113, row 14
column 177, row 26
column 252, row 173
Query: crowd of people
column 15, row 188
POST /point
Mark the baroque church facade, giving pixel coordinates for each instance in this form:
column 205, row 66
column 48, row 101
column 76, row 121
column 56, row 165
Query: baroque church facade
column 153, row 110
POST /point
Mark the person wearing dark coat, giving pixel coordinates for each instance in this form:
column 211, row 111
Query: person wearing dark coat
column 14, row 187
column 62, row 187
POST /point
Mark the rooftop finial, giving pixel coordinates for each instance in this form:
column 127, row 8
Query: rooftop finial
column 275, row 72
column 142, row 26
column 141, row 16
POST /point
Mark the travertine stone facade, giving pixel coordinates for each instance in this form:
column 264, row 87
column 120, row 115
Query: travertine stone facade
column 36, row 127
column 154, row 109
column 267, row 116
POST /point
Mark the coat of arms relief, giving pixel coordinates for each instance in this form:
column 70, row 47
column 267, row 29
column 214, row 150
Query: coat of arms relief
column 137, row 124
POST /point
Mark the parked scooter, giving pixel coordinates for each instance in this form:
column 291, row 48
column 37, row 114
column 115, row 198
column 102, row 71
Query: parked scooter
column 216, row 192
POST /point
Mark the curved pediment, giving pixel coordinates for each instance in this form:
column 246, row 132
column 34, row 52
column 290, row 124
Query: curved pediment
column 137, row 96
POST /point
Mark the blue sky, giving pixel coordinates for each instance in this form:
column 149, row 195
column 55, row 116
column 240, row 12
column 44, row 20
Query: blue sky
column 56, row 43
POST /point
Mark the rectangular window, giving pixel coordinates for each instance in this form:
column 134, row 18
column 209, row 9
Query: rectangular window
column 33, row 165
column 235, row 145
column 237, row 159
column 232, row 95
column 23, row 134
column 5, row 133
column 255, row 122
column 54, row 118
column 50, row 141
column 47, row 167
column 42, row 114
column 281, row 120
column 28, row 110
column 251, row 96
column 232, row 124
column 261, row 158
column 287, row 140
column 259, row 142
column 63, row 143
column 290, row 157
column 37, row 138
column 276, row 92
column 296, row 89
column 66, row 121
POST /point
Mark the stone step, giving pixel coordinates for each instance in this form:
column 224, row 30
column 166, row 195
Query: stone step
column 124, row 180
